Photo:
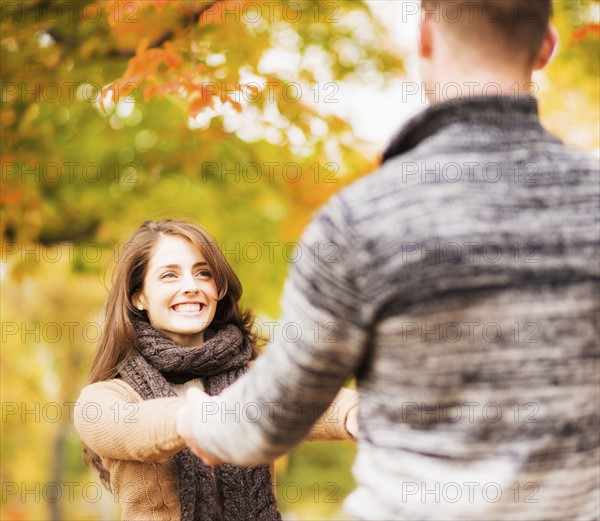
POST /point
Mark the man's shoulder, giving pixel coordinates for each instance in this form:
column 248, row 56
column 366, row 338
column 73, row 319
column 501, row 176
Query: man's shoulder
column 387, row 181
column 439, row 173
column 583, row 159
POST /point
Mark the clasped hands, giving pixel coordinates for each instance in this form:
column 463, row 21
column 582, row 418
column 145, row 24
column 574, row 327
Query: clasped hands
column 194, row 401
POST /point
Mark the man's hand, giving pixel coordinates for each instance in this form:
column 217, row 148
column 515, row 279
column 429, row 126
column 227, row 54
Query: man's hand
column 194, row 401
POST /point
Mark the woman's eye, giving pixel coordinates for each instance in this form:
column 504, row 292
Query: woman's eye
column 168, row 275
column 204, row 273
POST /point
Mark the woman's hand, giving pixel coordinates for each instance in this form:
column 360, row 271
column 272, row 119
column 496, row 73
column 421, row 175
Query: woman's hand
column 352, row 422
column 195, row 399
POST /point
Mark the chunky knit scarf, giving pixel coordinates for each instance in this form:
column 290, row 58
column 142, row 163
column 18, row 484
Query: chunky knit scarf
column 227, row 492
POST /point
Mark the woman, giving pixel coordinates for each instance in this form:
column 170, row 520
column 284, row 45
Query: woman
column 173, row 322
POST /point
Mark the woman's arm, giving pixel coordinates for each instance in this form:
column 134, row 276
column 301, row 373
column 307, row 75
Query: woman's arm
column 339, row 421
column 116, row 423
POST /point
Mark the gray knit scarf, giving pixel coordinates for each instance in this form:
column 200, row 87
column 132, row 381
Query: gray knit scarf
column 227, row 492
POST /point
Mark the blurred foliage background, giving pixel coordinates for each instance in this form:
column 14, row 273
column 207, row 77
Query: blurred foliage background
column 115, row 112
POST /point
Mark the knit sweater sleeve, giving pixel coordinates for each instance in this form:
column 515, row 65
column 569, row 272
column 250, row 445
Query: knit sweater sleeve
column 113, row 420
column 320, row 341
column 332, row 423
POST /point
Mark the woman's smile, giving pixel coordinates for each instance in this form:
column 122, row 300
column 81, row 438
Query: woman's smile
column 189, row 308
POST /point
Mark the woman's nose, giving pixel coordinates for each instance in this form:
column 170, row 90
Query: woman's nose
column 190, row 285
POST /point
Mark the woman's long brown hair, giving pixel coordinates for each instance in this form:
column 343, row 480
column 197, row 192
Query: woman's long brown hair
column 117, row 341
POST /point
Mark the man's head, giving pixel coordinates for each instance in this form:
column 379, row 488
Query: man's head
column 483, row 38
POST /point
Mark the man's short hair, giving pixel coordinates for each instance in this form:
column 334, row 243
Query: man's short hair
column 516, row 25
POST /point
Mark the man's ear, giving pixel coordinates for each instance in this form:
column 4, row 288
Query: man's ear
column 547, row 49
column 425, row 37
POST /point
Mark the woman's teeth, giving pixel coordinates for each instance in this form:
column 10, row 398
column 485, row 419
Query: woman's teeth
column 187, row 308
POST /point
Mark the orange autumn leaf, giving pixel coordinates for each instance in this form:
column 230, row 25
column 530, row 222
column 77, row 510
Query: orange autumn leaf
column 587, row 31
column 170, row 55
column 196, row 107
column 144, row 65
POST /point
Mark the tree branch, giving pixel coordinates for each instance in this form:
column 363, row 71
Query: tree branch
column 71, row 43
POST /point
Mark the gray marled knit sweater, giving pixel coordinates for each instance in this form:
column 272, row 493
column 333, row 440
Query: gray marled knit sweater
column 460, row 285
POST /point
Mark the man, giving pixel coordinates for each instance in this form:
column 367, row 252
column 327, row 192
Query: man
column 461, row 280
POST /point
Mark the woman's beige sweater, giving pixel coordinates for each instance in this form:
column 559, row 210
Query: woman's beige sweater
column 136, row 438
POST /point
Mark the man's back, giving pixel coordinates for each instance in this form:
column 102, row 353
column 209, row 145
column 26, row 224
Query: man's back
column 462, row 283
column 478, row 274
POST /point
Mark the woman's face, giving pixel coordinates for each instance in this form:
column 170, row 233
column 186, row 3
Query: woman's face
column 179, row 294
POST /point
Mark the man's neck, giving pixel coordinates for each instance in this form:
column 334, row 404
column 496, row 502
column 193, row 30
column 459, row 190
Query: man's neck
column 479, row 83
